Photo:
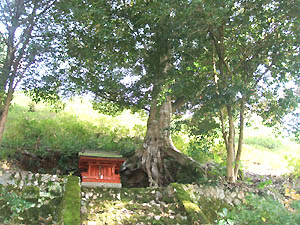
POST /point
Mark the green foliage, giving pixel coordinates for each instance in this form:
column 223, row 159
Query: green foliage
column 203, row 152
column 107, row 108
column 292, row 125
column 295, row 205
column 263, row 184
column 6, row 153
column 260, row 210
column 294, row 165
column 58, row 137
column 203, row 133
column 199, row 151
column 32, row 107
column 264, row 142
column 52, row 132
column 32, row 37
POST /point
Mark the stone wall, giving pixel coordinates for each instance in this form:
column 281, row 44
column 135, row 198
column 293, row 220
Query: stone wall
column 29, row 198
column 231, row 197
column 203, row 203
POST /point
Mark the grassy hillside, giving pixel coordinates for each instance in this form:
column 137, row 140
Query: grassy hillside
column 38, row 135
column 265, row 153
column 58, row 136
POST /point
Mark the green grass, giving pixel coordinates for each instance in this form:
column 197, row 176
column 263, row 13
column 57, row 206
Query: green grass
column 266, row 152
column 59, row 136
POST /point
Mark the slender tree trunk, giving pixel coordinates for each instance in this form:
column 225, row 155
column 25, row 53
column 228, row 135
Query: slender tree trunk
column 241, row 138
column 4, row 113
column 230, row 149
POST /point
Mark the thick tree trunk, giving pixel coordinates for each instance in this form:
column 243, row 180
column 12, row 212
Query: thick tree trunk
column 156, row 141
column 4, row 113
column 158, row 146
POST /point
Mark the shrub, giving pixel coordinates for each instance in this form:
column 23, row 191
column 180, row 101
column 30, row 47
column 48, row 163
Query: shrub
column 265, row 142
column 13, row 206
column 260, row 210
column 294, row 165
column 43, row 134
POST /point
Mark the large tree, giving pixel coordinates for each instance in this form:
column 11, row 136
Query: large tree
column 134, row 54
column 26, row 36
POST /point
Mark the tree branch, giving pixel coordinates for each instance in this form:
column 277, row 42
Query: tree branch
column 224, row 133
column 178, row 103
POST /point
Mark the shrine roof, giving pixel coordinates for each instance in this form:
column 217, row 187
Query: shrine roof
column 102, row 154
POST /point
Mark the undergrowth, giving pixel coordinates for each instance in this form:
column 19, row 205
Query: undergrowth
column 258, row 210
column 48, row 141
column 266, row 142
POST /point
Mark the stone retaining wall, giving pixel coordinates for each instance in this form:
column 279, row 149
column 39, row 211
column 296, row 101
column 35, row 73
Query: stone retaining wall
column 203, row 203
column 29, row 198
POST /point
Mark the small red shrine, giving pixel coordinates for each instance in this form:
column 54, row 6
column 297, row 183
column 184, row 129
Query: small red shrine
column 100, row 168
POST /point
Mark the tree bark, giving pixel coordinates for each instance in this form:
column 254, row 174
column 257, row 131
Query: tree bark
column 241, row 138
column 4, row 113
column 156, row 141
column 230, row 149
column 158, row 146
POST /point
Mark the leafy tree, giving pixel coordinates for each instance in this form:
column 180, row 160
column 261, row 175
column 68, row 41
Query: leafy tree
column 133, row 54
column 26, row 35
column 254, row 60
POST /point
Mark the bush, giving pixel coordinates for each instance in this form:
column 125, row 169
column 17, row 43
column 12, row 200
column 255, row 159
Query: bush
column 203, row 152
column 294, row 165
column 13, row 206
column 265, row 142
column 259, row 210
column 44, row 134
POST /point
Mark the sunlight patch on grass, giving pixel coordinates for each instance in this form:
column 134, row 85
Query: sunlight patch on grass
column 263, row 161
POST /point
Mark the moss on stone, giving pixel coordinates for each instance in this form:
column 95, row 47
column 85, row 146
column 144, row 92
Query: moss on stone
column 181, row 194
column 212, row 206
column 71, row 202
column 104, row 154
column 31, row 192
column 193, row 211
column 190, row 207
column 129, row 206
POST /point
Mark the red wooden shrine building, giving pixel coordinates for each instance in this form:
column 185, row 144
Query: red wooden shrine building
column 100, row 168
